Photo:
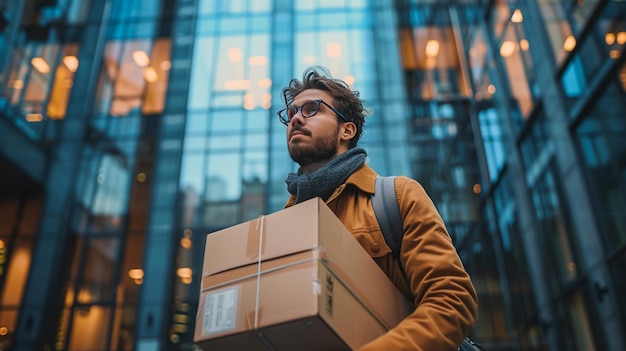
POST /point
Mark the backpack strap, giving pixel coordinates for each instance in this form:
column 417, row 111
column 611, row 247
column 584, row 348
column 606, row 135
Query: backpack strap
column 387, row 213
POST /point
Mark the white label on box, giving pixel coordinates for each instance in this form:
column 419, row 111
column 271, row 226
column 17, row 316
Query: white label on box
column 220, row 311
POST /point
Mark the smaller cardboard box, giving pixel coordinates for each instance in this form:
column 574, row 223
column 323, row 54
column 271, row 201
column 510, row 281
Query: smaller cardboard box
column 297, row 304
column 293, row 280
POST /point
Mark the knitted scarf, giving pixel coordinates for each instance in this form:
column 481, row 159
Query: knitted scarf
column 324, row 180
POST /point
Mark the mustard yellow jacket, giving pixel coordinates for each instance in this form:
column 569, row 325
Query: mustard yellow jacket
column 445, row 299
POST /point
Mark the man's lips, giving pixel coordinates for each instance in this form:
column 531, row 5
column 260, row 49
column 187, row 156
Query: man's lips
column 297, row 132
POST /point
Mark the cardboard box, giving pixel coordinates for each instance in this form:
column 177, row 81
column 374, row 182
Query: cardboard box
column 293, row 280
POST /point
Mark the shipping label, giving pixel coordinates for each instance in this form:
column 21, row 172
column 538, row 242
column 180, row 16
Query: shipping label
column 220, row 311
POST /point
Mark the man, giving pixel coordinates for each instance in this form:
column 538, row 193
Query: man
column 324, row 120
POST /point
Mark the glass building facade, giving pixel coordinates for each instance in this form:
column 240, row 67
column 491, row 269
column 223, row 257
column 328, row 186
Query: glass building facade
column 129, row 130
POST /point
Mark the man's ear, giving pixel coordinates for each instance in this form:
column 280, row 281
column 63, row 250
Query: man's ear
column 347, row 131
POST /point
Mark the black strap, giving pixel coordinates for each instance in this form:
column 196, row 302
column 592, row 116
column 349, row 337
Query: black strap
column 385, row 204
column 387, row 213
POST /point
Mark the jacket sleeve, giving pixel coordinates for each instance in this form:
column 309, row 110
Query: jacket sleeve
column 445, row 299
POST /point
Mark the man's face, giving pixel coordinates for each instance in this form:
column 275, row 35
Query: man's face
column 314, row 139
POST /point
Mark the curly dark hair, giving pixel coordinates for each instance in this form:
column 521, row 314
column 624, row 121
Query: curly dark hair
column 346, row 100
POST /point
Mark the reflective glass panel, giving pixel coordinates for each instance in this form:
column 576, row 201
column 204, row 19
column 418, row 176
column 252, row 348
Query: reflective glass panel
column 601, row 141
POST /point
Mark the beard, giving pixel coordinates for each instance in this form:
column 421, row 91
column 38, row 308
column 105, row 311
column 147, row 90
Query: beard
column 322, row 149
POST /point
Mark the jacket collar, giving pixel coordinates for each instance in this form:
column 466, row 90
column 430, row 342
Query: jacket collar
column 363, row 178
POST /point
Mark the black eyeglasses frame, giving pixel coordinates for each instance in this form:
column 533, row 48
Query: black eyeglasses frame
column 285, row 120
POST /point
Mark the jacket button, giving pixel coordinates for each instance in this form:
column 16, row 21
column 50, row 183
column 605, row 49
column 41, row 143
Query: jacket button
column 375, row 247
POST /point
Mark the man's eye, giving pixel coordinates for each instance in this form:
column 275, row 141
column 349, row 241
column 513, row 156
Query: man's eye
column 310, row 108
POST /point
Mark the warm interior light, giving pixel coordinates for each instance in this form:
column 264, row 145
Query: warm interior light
column 257, row 60
column 621, row 38
column 149, row 73
column 237, row 84
column 609, row 38
column 184, row 272
column 432, row 48
column 476, row 189
column 266, row 101
column 248, row 102
column 17, row 84
column 491, row 89
column 615, row 54
column 40, row 65
column 234, row 54
column 333, row 50
column 34, row 117
column 165, row 65
column 517, row 16
column 135, row 273
column 186, row 243
column 523, row 44
column 265, row 83
column 507, row 48
column 570, row 43
column 71, row 62
column 141, row 58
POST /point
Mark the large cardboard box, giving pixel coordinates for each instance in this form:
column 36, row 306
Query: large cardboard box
column 293, row 280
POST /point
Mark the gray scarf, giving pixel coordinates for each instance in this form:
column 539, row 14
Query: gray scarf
column 324, row 180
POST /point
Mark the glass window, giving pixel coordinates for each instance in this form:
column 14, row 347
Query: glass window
column 564, row 21
column 137, row 73
column 479, row 67
column 90, row 287
column 604, row 44
column 557, row 232
column 523, row 313
column 203, row 71
column 222, row 121
column 63, row 83
column 124, row 10
column 224, row 176
column 481, row 261
column 255, row 166
column 90, row 328
column 573, row 310
column 429, row 54
column 15, row 264
column 501, row 15
column 493, row 141
column 536, row 140
column 519, row 65
column 102, row 189
column 191, row 173
column 600, row 139
column 39, row 82
column 19, row 222
column 574, row 80
column 258, row 121
column 97, row 285
column 618, row 273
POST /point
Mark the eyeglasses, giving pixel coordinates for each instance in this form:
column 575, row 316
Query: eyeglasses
column 308, row 109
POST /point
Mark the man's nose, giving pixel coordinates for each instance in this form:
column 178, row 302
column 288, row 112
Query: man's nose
column 298, row 118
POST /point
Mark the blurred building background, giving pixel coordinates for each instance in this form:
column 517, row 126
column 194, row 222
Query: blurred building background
column 129, row 129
